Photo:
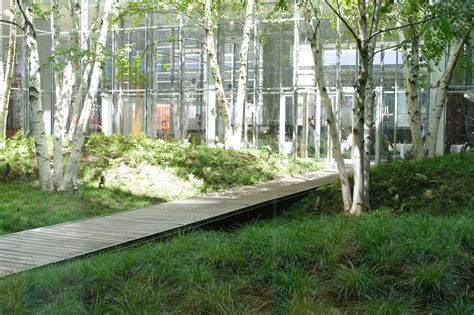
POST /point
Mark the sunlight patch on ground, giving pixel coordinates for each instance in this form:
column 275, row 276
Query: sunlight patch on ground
column 152, row 181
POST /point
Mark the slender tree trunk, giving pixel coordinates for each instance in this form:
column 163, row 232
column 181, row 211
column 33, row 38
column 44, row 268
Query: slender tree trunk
column 60, row 120
column 37, row 119
column 80, row 133
column 313, row 26
column 215, row 71
column 411, row 70
column 358, row 112
column 84, row 85
column 369, row 109
column 8, row 75
column 368, row 113
column 441, row 91
column 76, row 105
column 235, row 142
column 76, row 64
column 182, row 76
column 59, row 106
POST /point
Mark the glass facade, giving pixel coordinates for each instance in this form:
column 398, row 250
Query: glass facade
column 170, row 97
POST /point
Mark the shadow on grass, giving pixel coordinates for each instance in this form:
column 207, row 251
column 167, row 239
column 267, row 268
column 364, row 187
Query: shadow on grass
column 24, row 206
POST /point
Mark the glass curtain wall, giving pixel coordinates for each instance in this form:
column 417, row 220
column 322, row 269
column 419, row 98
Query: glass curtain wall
column 169, row 99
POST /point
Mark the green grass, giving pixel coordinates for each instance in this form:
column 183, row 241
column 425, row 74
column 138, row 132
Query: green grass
column 438, row 185
column 418, row 261
column 140, row 171
column 24, row 206
column 295, row 263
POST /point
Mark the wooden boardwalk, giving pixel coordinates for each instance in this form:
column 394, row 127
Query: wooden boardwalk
column 42, row 246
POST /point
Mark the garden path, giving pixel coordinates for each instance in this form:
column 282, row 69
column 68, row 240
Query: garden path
column 46, row 245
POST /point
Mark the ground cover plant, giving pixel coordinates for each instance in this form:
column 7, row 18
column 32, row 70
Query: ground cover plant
column 139, row 171
column 386, row 261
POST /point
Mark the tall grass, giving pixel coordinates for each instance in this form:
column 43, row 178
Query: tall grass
column 301, row 262
column 291, row 264
column 140, row 171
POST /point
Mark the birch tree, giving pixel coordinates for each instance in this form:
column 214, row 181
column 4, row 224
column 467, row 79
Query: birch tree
column 210, row 24
column 85, row 78
column 411, row 73
column 448, row 35
column 355, row 17
column 369, row 105
column 63, row 92
column 6, row 81
column 313, row 24
column 95, row 77
column 206, row 13
column 37, row 119
column 235, row 141
column 363, row 21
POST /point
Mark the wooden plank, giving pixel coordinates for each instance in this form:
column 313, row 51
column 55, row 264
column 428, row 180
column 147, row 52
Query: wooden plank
column 72, row 244
column 46, row 249
column 24, row 250
column 27, row 257
column 59, row 239
column 14, row 262
column 76, row 235
column 91, row 231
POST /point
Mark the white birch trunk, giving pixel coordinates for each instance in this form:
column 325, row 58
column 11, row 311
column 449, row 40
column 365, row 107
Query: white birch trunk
column 441, row 92
column 358, row 112
column 235, row 141
column 92, row 38
column 369, row 109
column 59, row 120
column 411, row 69
column 368, row 113
column 80, row 133
column 313, row 26
column 8, row 75
column 75, row 7
column 215, row 71
column 182, row 76
column 76, row 105
column 37, row 119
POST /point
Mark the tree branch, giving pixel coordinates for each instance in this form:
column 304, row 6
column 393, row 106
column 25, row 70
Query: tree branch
column 374, row 19
column 407, row 25
column 387, row 48
column 12, row 23
column 25, row 16
column 354, row 34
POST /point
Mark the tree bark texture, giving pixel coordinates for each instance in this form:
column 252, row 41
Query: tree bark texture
column 442, row 85
column 358, row 114
column 83, row 86
column 80, row 133
column 34, row 92
column 411, row 71
column 215, row 71
column 59, row 120
column 235, row 142
column 182, row 77
column 313, row 25
column 369, row 107
column 8, row 74
column 76, row 64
